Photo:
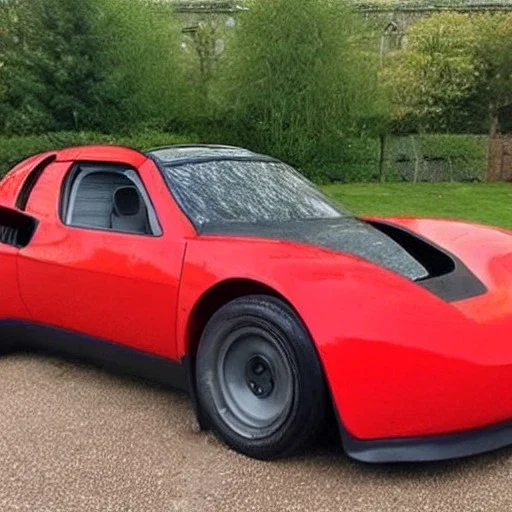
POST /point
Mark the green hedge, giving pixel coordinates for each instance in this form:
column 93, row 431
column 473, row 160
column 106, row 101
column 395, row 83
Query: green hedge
column 14, row 149
column 356, row 159
column 469, row 147
column 437, row 157
column 464, row 156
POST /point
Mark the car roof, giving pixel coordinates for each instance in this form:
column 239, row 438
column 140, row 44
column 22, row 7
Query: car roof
column 101, row 152
column 194, row 153
column 166, row 155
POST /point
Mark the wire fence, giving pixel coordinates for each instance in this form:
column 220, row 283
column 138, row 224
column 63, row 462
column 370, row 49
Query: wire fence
column 416, row 159
column 411, row 159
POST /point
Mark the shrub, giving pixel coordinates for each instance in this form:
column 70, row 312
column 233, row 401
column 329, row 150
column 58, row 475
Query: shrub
column 435, row 72
column 439, row 157
column 297, row 78
column 454, row 73
column 445, row 146
column 143, row 63
column 88, row 64
column 51, row 69
column 494, row 52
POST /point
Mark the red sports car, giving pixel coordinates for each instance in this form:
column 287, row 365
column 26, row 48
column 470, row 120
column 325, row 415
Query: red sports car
column 226, row 273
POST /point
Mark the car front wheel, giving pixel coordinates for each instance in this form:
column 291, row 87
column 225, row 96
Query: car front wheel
column 259, row 381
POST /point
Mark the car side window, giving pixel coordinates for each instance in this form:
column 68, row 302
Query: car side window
column 110, row 198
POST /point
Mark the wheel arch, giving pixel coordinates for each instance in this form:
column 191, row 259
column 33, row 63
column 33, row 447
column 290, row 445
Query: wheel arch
column 217, row 296
column 205, row 307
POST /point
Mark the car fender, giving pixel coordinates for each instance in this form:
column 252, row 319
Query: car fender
column 394, row 354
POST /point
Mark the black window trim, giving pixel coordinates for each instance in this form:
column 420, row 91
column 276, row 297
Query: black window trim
column 78, row 171
column 31, row 181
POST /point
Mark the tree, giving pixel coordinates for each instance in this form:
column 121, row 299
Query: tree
column 88, row 64
column 454, row 72
column 20, row 108
column 4, row 41
column 143, row 64
column 51, row 75
column 298, row 75
column 435, row 72
column 494, row 52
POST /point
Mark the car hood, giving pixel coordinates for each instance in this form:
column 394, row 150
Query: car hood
column 347, row 234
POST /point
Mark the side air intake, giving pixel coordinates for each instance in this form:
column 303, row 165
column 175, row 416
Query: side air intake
column 16, row 228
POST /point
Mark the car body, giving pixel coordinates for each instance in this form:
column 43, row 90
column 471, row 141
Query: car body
column 411, row 319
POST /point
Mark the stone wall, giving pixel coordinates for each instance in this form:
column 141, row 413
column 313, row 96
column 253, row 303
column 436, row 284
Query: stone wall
column 401, row 14
column 194, row 13
column 391, row 18
column 404, row 16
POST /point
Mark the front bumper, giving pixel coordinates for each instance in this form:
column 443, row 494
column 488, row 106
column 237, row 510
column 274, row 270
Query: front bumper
column 429, row 448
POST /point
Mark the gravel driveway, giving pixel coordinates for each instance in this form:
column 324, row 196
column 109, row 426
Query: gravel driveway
column 74, row 438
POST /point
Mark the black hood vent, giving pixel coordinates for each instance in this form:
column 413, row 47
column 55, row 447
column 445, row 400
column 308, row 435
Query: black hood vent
column 385, row 244
column 346, row 234
column 448, row 277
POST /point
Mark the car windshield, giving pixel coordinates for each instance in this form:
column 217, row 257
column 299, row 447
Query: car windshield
column 224, row 191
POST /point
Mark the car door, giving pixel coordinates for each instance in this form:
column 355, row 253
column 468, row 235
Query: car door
column 82, row 273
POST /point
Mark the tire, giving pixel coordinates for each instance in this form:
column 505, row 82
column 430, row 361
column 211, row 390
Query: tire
column 7, row 347
column 259, row 382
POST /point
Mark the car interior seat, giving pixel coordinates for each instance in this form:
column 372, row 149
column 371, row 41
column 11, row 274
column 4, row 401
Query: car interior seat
column 129, row 212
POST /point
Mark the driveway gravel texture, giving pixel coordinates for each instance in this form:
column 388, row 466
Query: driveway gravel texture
column 77, row 438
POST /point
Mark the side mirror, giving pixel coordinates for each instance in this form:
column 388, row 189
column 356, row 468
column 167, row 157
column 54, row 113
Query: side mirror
column 127, row 201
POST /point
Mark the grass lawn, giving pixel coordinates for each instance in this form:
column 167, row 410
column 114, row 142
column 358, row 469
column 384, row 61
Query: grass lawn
column 488, row 203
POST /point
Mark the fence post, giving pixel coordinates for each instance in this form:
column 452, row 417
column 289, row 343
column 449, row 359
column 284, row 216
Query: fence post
column 416, row 160
column 382, row 156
